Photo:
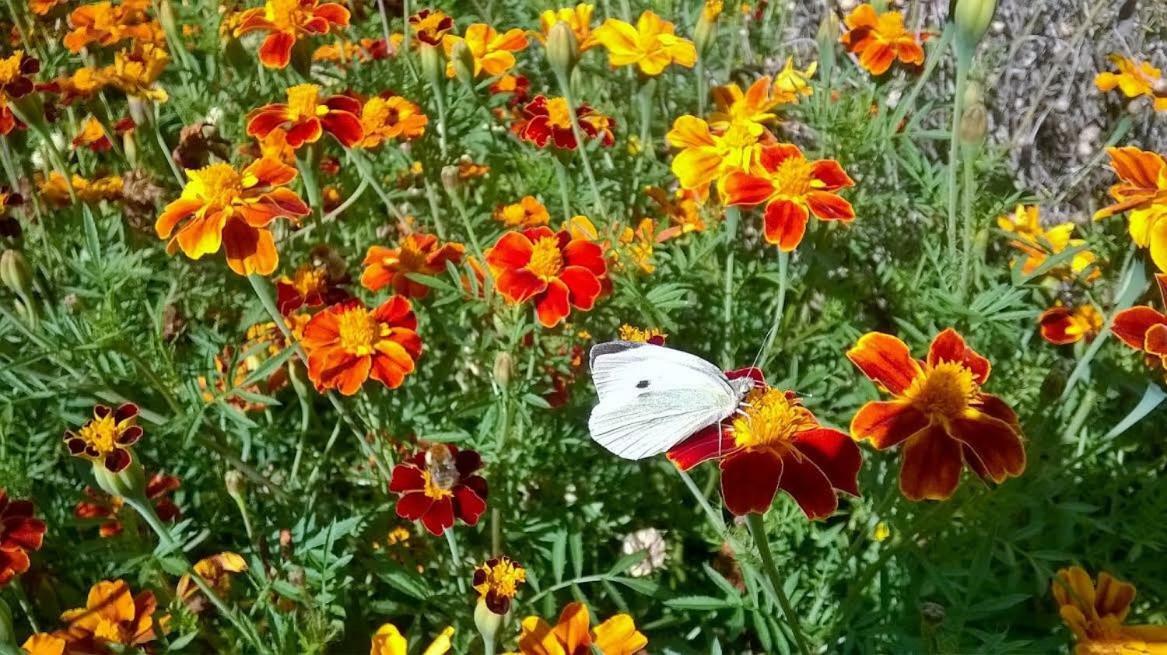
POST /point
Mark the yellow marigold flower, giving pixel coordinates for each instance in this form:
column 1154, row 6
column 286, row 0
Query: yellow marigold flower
column 1142, row 192
column 493, row 52
column 706, row 157
column 393, row 117
column 652, row 45
column 1134, row 79
column 113, row 615
column 216, row 570
column 790, row 83
column 637, row 244
column 55, row 190
column 135, row 72
column 525, row 213
column 744, row 107
column 573, row 634
column 1096, row 614
column 683, row 210
column 642, row 335
column 388, row 640
column 106, row 23
column 497, row 581
column 579, row 19
column 1039, row 243
column 881, row 532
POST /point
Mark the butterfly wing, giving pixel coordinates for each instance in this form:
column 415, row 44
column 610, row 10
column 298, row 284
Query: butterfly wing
column 652, row 398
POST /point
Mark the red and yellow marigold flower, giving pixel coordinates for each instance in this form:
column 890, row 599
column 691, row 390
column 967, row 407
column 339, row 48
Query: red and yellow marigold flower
column 878, row 39
column 92, row 136
column 1144, row 328
column 651, row 45
column 20, row 534
column 312, row 285
column 107, row 509
column 1039, row 243
column 1134, row 79
column 683, row 211
column 493, row 52
column 431, row 26
column 55, row 191
column 793, row 189
column 223, row 207
column 1096, row 615
column 1142, row 191
column 306, row 117
column 388, row 117
column 527, row 212
column 547, row 120
column 107, row 23
column 554, row 270
column 578, row 18
column 348, row 343
column 216, row 570
column 745, row 108
column 573, row 634
column 15, row 82
column 113, row 616
column 288, row 21
column 709, row 156
column 388, row 640
column 774, row 443
column 107, row 437
column 438, row 485
column 135, row 72
column 642, row 335
column 497, row 581
column 417, row 253
column 938, row 412
column 1062, row 325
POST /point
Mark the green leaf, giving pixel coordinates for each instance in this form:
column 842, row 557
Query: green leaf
column 1152, row 398
column 698, row 603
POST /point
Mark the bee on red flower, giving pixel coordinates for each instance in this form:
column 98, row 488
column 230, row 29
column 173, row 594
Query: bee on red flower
column 287, row 21
column 305, row 117
column 439, row 485
column 546, row 120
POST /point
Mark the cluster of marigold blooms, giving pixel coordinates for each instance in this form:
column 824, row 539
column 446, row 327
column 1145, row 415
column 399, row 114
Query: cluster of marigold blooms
column 937, row 413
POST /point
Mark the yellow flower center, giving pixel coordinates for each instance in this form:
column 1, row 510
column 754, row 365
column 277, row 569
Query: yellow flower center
column 771, row 419
column 10, row 67
column 558, row 113
column 359, row 331
column 794, row 177
column 100, row 433
column 285, row 14
column 411, row 257
column 739, row 135
column 310, row 279
column 503, row 579
column 546, row 259
column 303, row 102
column 944, row 390
column 217, row 184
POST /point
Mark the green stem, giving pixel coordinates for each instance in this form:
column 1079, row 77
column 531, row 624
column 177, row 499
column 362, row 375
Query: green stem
column 306, row 164
column 581, row 146
column 758, row 530
column 962, row 66
column 464, row 214
column 731, row 221
column 907, row 104
column 564, row 194
column 456, row 557
column 968, row 156
column 162, row 149
column 779, row 309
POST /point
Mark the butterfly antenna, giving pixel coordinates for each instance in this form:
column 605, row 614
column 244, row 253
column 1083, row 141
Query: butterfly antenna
column 766, row 342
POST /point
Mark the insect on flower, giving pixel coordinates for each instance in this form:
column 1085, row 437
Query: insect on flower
column 107, row 437
column 288, row 21
column 438, row 485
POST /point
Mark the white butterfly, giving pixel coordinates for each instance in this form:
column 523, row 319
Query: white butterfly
column 653, row 398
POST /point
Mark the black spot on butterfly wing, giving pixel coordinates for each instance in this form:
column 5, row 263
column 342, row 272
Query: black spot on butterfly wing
column 643, row 384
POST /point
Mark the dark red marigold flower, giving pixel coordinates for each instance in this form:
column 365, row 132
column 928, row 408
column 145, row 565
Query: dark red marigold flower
column 107, row 437
column 438, row 485
column 546, row 120
column 19, row 534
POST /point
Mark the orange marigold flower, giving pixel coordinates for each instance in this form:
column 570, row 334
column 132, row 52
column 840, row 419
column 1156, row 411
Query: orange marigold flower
column 306, row 117
column 1096, row 614
column 55, row 190
column 135, row 72
column 938, row 412
column 552, row 269
column 793, row 188
column 43, row 7
column 1134, row 79
column 287, row 21
column 430, row 26
column 545, row 120
column 518, row 86
column 527, row 212
column 106, row 23
column 417, row 253
column 216, row 570
column 388, row 117
column 348, row 343
column 683, row 211
column 468, row 169
column 1142, row 191
column 651, row 45
column 493, row 52
column 45, row 643
column 92, row 135
column 774, row 443
column 223, row 207
column 646, row 335
column 578, row 18
column 388, row 640
column 637, row 244
column 1065, row 325
column 707, row 156
column 112, row 616
column 102, row 506
column 878, row 39
column 573, row 634
column 753, row 105
column 1143, row 328
column 497, row 581
column 439, row 484
column 312, row 285
column 20, row 533
column 1039, row 243
column 107, row 437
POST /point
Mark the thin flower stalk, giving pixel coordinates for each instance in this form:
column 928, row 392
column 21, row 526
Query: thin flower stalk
column 598, row 201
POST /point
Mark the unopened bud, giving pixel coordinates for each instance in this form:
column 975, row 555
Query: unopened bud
column 235, row 483
column 130, row 482
column 462, row 61
column 562, row 49
column 972, row 19
column 431, row 63
column 503, row 365
column 487, row 623
column 974, row 123
column 16, row 274
column 706, row 24
column 932, row 613
column 450, row 179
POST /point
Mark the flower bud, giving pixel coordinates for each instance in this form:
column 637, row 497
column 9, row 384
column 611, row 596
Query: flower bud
column 130, row 482
column 1159, row 87
column 16, row 274
column 462, row 61
column 706, row 24
column 450, row 179
column 972, row 19
column 235, row 483
column 562, row 49
column 503, row 366
column 431, row 63
column 487, row 623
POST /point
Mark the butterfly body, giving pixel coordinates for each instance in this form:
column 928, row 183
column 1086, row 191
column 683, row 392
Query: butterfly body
column 653, row 397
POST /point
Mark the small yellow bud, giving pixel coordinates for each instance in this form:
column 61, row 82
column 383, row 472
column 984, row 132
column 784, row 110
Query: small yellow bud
column 16, row 274
column 562, row 49
column 463, row 62
column 503, row 365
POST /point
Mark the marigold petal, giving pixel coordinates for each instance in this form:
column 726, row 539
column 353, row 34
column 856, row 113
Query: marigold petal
column 885, row 360
column 785, row 224
column 709, row 443
column 949, row 346
column 749, row 480
column 276, row 51
column 573, row 628
column 440, row 517
column 1131, row 325
column 582, row 285
column 745, row 189
column 829, row 206
column 553, row 305
column 809, row 487
column 835, row 454
column 930, row 465
column 619, row 636
column 994, row 442
column 344, row 126
column 887, row 424
column 470, row 506
column 249, row 250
